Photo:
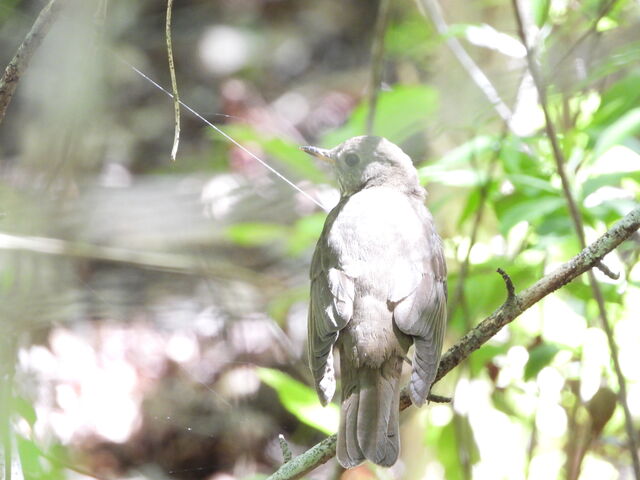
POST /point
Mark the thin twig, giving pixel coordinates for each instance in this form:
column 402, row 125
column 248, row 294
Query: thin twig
column 377, row 55
column 475, row 338
column 284, row 447
column 174, row 83
column 511, row 291
column 579, row 229
column 432, row 8
column 21, row 59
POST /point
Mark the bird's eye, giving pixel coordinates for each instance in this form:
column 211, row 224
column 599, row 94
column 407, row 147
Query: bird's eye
column 351, row 159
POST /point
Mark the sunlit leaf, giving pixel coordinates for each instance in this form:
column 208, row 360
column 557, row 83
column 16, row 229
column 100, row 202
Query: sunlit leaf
column 488, row 37
column 608, row 180
column 400, row 113
column 302, row 401
column 540, row 9
column 539, row 357
column 618, row 131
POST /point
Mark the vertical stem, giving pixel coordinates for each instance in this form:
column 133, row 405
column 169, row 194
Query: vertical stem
column 174, row 83
column 578, row 226
column 7, row 365
column 377, row 55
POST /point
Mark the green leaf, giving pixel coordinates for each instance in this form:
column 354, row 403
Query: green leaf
column 456, row 440
column 400, row 113
column 618, row 131
column 25, row 409
column 30, row 456
column 540, row 11
column 528, row 210
column 255, row 234
column 530, row 185
column 609, row 180
column 516, row 160
column 301, row 401
column 470, row 206
column 539, row 357
column 620, row 98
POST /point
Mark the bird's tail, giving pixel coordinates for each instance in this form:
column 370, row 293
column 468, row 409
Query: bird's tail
column 369, row 414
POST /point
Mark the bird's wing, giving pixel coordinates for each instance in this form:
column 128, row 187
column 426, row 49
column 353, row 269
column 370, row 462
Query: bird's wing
column 420, row 298
column 330, row 309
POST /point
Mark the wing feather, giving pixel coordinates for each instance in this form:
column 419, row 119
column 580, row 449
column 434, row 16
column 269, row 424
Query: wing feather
column 330, row 309
column 422, row 311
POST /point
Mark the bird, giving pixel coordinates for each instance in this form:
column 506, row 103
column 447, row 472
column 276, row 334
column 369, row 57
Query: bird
column 378, row 286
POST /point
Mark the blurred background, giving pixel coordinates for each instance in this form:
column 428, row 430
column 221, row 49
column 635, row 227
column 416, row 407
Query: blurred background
column 153, row 314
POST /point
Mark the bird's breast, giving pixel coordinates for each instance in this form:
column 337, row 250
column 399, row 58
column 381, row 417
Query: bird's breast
column 375, row 224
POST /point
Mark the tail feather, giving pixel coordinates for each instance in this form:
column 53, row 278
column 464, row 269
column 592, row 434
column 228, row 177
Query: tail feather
column 369, row 415
column 348, row 451
column 425, row 367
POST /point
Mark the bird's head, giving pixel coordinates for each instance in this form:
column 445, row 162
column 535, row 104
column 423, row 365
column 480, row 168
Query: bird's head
column 368, row 161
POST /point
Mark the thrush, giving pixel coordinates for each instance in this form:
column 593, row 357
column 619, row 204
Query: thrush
column 378, row 286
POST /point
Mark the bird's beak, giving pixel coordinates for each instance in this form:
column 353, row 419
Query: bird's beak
column 321, row 153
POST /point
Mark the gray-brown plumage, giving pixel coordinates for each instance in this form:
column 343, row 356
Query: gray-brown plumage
column 378, row 285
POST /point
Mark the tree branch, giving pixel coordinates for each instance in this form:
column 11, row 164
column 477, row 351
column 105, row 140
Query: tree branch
column 514, row 306
column 21, row 59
